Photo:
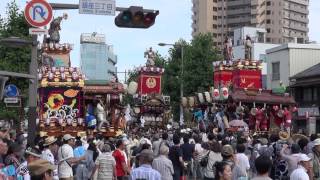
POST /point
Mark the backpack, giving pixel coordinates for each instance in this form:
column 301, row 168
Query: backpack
column 204, row 161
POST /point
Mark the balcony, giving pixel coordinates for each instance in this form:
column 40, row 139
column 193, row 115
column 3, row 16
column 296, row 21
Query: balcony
column 239, row 20
column 239, row 3
column 238, row 11
column 300, row 2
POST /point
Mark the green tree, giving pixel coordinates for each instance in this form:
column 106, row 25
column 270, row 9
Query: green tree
column 14, row 59
column 197, row 72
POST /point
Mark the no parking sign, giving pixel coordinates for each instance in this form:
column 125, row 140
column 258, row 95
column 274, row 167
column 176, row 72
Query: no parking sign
column 38, row 13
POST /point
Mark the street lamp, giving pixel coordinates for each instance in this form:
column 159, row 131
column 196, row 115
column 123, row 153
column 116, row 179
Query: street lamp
column 181, row 83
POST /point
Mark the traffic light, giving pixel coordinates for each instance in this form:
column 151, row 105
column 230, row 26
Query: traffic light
column 136, row 17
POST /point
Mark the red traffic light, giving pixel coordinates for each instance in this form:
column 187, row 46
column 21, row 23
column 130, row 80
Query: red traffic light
column 136, row 17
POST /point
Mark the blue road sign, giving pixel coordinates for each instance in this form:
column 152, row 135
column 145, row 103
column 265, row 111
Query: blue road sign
column 11, row 91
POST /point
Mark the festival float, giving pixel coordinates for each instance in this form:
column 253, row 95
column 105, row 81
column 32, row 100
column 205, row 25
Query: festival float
column 150, row 107
column 237, row 100
column 67, row 103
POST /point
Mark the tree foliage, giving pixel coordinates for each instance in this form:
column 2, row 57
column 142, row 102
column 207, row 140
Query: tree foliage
column 14, row 59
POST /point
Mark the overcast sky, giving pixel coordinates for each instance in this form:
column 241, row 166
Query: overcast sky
column 173, row 23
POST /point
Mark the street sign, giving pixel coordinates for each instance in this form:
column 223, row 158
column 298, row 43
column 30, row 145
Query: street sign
column 11, row 91
column 12, row 100
column 37, row 31
column 97, row 7
column 38, row 13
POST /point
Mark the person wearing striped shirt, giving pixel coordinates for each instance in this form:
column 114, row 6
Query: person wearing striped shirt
column 145, row 171
column 163, row 164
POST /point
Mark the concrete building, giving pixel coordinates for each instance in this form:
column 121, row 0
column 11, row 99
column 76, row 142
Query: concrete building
column 284, row 20
column 287, row 60
column 97, row 58
column 259, row 47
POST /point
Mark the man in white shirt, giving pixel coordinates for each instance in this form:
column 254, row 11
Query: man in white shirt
column 304, row 166
column 242, row 159
column 50, row 147
column 66, row 158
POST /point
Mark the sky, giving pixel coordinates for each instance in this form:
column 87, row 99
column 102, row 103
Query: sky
column 172, row 24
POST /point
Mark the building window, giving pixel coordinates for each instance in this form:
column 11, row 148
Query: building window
column 268, row 40
column 307, row 94
column 268, row 30
column 275, row 71
column 214, row 17
column 268, row 12
column 268, row 3
column 268, row 21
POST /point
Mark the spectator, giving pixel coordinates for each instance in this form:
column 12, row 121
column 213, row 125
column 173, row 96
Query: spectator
column 223, row 171
column 66, row 158
column 214, row 155
column 15, row 155
column 145, row 171
column 263, row 165
column 105, row 164
column 301, row 173
column 242, row 159
column 156, row 145
column 187, row 154
column 315, row 156
column 163, row 165
column 310, row 145
column 86, row 166
column 291, row 159
column 122, row 168
column 3, row 151
column 175, row 155
column 198, row 154
column 227, row 153
column 41, row 170
column 50, row 148
column 31, row 154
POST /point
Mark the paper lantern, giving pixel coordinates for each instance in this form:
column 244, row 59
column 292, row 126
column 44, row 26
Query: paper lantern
column 200, row 97
column 71, row 69
column 53, row 69
column 63, row 76
column 62, row 69
column 132, row 89
column 216, row 94
column 152, row 69
column 50, row 75
column 39, row 76
column 75, row 76
column 225, row 93
column 208, row 97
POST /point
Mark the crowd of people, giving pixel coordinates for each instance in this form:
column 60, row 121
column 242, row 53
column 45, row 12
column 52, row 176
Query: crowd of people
column 163, row 155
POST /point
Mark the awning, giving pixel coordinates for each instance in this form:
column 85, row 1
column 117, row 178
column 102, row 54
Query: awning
column 107, row 89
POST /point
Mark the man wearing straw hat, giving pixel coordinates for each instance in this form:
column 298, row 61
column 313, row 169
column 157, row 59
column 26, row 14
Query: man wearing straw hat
column 50, row 148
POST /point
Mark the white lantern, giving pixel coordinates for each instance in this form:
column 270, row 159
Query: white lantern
column 61, row 69
column 225, row 92
column 80, row 121
column 50, row 75
column 63, row 76
column 69, row 121
column 39, row 76
column 75, row 76
column 71, row 69
column 53, row 69
column 132, row 89
column 216, row 94
column 152, row 69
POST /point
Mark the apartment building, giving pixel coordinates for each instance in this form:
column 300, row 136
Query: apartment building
column 284, row 20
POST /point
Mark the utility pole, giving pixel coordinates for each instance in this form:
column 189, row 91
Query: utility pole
column 33, row 91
